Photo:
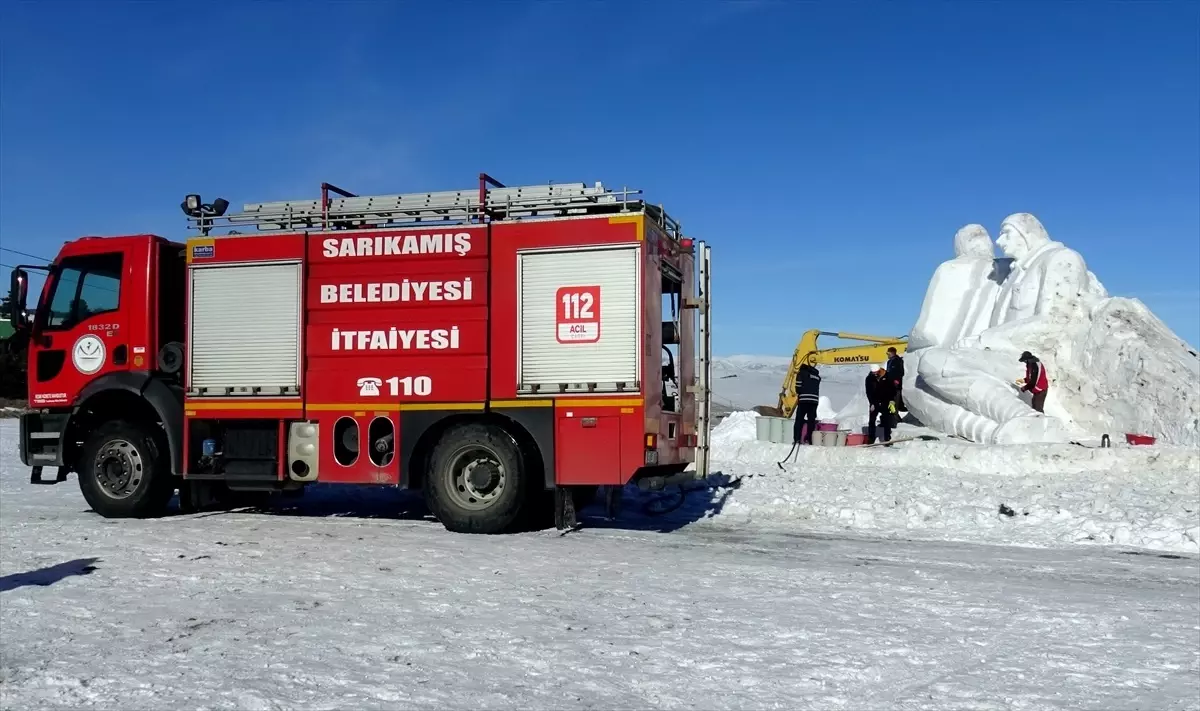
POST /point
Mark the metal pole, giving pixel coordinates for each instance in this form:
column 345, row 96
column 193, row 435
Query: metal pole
column 327, row 188
column 484, row 181
column 704, row 405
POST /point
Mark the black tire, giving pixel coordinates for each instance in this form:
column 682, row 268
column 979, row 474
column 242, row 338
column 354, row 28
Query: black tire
column 459, row 499
column 124, row 470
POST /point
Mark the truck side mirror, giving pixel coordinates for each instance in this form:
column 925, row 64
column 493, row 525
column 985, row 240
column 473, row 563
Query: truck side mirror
column 18, row 290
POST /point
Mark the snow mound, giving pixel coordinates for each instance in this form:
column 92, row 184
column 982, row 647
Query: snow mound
column 734, row 431
column 1150, row 377
column 1036, row 495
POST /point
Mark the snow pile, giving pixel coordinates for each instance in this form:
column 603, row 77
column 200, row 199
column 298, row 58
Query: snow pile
column 1048, row 494
column 825, row 409
column 733, row 432
column 1114, row 367
column 1137, row 375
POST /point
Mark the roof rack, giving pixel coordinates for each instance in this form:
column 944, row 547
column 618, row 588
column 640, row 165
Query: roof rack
column 491, row 201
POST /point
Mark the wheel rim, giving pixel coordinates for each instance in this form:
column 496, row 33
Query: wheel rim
column 118, row 468
column 477, row 478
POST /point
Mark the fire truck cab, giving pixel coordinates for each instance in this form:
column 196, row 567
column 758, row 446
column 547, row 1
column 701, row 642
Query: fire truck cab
column 505, row 350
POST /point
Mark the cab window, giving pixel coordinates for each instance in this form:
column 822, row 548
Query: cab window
column 85, row 287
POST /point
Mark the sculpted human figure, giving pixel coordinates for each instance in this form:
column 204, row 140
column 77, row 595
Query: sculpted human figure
column 960, row 298
column 1049, row 285
column 971, row 382
column 958, row 303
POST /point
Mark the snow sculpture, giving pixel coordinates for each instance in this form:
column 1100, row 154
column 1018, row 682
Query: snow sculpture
column 961, row 368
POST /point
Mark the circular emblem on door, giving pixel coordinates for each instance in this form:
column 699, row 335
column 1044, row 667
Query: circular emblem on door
column 88, row 354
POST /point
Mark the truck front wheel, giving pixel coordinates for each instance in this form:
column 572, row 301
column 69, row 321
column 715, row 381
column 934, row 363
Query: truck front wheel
column 124, row 471
column 476, row 481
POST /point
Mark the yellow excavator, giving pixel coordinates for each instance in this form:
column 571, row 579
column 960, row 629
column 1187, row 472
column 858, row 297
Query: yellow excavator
column 807, row 353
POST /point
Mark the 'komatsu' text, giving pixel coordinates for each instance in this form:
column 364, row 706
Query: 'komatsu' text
column 396, row 245
column 406, row 290
column 395, row 339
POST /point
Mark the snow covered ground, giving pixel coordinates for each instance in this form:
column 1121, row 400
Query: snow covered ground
column 354, row 599
column 1145, row 497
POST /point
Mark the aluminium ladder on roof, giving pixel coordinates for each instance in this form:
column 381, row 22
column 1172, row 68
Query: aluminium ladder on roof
column 447, row 207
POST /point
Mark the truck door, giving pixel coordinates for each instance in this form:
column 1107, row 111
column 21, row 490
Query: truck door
column 81, row 334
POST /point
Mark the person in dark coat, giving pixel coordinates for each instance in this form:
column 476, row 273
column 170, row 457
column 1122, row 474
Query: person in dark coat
column 881, row 394
column 895, row 373
column 808, row 393
column 1036, row 381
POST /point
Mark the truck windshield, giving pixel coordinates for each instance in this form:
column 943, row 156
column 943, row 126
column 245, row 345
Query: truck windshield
column 84, row 286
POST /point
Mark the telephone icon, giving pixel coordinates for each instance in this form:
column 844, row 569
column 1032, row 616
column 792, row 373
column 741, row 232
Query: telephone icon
column 369, row 387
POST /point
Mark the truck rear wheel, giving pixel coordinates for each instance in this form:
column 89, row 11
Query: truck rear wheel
column 124, row 471
column 477, row 481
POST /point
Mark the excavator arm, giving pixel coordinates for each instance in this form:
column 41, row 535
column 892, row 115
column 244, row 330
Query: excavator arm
column 807, row 353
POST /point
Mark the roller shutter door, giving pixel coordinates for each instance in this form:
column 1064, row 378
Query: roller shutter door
column 245, row 328
column 579, row 318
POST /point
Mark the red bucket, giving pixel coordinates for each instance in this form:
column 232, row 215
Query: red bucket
column 855, row 439
column 1138, row 439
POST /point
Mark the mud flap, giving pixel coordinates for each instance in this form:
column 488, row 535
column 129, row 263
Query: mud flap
column 613, row 496
column 35, row 476
column 564, row 508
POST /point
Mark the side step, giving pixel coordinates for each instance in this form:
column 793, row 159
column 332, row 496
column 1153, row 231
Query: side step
column 252, row 475
column 244, row 475
column 42, row 442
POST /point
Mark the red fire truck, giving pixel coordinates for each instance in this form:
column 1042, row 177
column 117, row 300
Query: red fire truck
column 507, row 351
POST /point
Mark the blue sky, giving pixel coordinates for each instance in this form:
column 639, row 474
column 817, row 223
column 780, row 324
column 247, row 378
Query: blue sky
column 827, row 151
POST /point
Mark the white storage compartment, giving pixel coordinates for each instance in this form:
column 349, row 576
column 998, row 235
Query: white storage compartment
column 244, row 324
column 579, row 317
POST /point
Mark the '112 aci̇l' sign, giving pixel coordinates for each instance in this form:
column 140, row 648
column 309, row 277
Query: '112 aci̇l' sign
column 577, row 314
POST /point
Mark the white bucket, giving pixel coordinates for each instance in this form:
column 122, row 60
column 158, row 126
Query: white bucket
column 762, row 429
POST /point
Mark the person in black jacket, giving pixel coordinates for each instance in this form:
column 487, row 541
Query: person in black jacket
column 881, row 394
column 808, row 393
column 895, row 373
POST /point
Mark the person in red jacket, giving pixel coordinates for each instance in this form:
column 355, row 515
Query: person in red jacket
column 1036, row 381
